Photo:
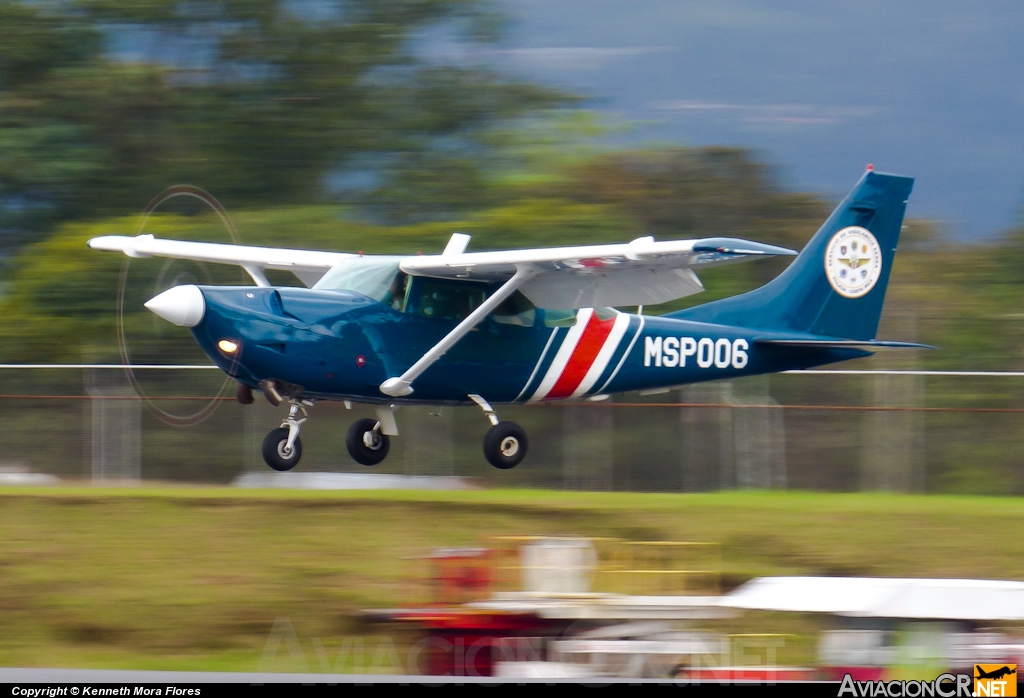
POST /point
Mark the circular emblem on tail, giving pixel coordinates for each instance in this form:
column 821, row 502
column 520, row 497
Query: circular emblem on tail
column 853, row 261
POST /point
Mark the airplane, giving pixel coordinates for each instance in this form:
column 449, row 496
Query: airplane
column 995, row 675
column 525, row 326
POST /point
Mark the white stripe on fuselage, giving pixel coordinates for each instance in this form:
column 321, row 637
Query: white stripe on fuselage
column 639, row 331
column 611, row 343
column 536, row 368
column 563, row 355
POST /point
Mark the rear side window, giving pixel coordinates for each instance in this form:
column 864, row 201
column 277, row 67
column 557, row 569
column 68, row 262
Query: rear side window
column 559, row 318
column 567, row 318
column 516, row 310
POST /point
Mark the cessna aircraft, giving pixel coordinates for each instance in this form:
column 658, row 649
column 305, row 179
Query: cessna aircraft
column 521, row 326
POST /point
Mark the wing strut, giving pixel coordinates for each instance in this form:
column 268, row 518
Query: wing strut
column 257, row 274
column 402, row 385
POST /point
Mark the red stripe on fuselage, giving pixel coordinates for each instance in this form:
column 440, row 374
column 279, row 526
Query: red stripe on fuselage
column 583, row 356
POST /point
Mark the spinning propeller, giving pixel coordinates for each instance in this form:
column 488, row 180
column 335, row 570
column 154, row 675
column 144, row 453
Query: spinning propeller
column 144, row 338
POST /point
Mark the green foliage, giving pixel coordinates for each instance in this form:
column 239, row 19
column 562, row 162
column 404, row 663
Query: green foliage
column 57, row 297
column 262, row 102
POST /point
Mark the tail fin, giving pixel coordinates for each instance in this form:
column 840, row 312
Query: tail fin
column 836, row 285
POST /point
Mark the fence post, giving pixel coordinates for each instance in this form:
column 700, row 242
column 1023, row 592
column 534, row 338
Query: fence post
column 587, row 447
column 759, row 436
column 116, row 428
column 894, row 440
column 707, row 449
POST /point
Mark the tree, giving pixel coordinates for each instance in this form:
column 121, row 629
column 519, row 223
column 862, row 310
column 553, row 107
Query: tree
column 257, row 100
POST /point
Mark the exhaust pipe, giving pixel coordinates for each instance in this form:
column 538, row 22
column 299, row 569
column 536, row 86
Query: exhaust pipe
column 243, row 393
column 269, row 389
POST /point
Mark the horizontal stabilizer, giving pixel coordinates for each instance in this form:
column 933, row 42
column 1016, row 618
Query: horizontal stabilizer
column 734, row 246
column 870, row 344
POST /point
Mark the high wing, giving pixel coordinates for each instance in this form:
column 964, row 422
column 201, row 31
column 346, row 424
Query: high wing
column 308, row 265
column 642, row 272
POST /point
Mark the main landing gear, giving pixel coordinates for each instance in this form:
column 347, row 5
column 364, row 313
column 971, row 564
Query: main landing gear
column 368, row 440
column 366, row 443
column 505, row 443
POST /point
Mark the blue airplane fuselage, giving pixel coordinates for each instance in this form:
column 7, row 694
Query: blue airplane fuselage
column 343, row 345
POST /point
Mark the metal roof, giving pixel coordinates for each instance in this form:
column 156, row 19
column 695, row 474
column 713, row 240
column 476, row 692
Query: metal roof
column 879, row 597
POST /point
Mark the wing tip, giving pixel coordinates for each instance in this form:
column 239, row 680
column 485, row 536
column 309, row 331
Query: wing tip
column 119, row 243
column 106, row 242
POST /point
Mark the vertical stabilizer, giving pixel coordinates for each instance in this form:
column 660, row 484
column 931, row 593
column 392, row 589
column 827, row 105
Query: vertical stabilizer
column 836, row 285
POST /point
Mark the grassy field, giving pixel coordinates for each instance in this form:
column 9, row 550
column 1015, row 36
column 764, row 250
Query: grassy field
column 194, row 578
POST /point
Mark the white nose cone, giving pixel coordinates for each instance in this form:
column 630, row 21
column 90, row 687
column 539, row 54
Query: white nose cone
column 182, row 305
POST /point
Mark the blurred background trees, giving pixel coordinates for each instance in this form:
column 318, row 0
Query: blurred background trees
column 103, row 103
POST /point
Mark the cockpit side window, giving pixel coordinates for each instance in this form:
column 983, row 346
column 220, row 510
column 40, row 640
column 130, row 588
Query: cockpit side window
column 398, row 293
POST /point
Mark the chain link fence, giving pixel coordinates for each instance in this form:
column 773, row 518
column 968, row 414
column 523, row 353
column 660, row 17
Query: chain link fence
column 835, row 430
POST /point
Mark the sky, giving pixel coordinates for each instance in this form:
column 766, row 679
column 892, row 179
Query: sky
column 928, row 88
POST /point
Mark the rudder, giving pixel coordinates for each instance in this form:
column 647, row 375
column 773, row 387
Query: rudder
column 836, row 285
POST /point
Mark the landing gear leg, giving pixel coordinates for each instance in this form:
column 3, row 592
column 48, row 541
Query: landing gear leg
column 505, row 443
column 282, row 448
column 270, row 392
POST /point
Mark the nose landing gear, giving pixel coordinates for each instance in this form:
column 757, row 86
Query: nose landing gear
column 282, row 448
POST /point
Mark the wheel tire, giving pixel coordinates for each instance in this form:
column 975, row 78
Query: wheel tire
column 357, row 448
column 505, row 445
column 243, row 394
column 273, row 450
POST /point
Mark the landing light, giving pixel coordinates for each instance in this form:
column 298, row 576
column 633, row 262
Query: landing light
column 227, row 346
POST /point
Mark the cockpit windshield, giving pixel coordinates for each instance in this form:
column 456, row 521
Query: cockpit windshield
column 376, row 277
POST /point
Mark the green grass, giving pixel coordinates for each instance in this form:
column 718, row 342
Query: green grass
column 194, row 578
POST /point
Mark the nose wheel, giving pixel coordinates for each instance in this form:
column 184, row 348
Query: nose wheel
column 366, row 443
column 278, row 454
column 282, row 448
